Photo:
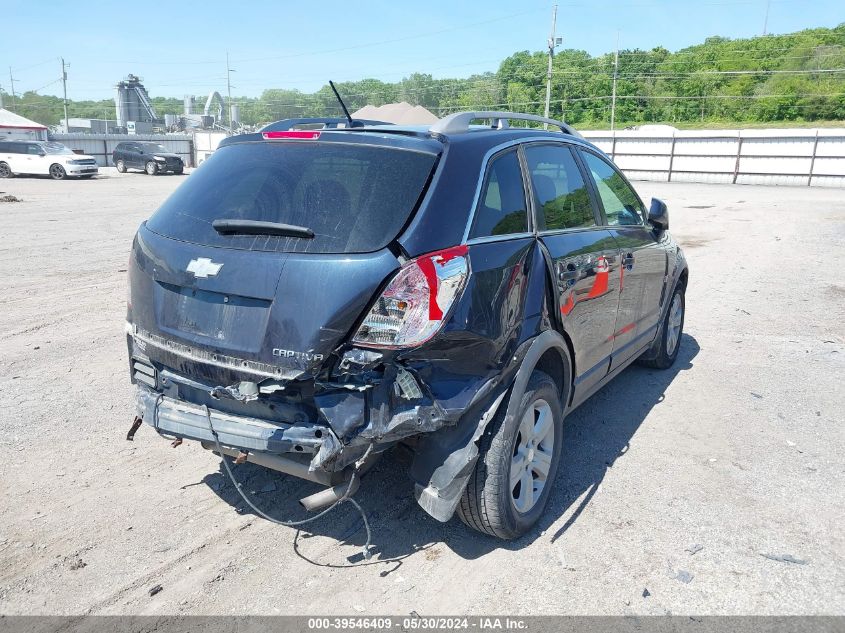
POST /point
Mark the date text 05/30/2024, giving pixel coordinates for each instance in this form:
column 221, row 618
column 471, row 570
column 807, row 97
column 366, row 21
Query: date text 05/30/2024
column 421, row 623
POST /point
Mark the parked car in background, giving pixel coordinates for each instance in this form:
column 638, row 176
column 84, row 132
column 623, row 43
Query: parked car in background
column 44, row 158
column 311, row 298
column 148, row 156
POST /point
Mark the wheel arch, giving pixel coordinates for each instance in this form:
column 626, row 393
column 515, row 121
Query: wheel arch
column 547, row 351
column 680, row 277
column 554, row 358
column 683, row 278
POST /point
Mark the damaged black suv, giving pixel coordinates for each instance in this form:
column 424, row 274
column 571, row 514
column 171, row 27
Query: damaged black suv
column 311, row 298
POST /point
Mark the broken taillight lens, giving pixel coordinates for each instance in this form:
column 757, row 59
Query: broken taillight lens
column 416, row 302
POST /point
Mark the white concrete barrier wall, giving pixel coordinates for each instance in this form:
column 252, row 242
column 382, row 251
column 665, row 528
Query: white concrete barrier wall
column 814, row 157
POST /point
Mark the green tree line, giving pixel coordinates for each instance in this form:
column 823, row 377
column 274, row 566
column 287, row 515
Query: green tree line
column 792, row 77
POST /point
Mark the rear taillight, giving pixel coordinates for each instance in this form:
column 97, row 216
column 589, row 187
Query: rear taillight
column 416, row 302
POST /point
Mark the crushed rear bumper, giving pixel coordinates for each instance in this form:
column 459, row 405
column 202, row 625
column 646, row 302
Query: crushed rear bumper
column 180, row 419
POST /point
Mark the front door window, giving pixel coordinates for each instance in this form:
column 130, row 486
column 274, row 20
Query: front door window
column 622, row 207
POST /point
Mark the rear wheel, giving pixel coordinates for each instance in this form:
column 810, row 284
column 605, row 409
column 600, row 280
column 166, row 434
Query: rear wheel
column 5, row 172
column 151, row 168
column 179, row 171
column 518, row 460
column 121, row 166
column 670, row 336
column 57, row 172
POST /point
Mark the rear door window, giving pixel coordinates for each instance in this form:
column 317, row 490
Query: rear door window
column 354, row 197
column 621, row 205
column 560, row 193
column 501, row 209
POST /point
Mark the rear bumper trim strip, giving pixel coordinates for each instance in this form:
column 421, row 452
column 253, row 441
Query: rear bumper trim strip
column 198, row 355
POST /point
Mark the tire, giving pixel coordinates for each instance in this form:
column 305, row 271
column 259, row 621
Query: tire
column 5, row 172
column 151, row 168
column 121, row 166
column 490, row 504
column 179, row 171
column 671, row 332
column 57, row 172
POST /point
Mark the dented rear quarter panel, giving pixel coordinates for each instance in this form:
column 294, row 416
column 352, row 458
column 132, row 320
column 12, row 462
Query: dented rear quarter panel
column 500, row 308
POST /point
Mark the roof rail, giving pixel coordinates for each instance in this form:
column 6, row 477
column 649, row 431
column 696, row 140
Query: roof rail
column 459, row 122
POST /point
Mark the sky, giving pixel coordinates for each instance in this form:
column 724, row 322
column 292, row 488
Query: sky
column 179, row 47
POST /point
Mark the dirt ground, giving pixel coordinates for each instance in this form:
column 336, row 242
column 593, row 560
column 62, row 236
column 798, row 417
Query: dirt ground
column 679, row 491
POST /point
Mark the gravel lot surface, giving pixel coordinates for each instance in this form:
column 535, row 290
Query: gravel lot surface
column 680, row 491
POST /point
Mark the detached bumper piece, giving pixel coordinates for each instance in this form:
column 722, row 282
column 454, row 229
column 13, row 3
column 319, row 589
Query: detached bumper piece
column 176, row 418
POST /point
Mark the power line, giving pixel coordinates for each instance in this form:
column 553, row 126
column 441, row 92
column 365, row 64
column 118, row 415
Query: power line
column 390, row 41
column 47, row 61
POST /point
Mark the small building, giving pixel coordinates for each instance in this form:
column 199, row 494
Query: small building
column 88, row 126
column 14, row 126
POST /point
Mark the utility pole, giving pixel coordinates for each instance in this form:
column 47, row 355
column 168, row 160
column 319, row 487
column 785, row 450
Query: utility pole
column 615, row 76
column 549, row 73
column 229, row 89
column 12, row 81
column 64, row 90
column 766, row 19
column 1, row 96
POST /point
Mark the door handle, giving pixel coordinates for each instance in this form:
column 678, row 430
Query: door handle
column 570, row 273
column 628, row 261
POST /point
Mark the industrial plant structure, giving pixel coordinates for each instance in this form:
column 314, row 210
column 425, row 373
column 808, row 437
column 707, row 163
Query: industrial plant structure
column 135, row 114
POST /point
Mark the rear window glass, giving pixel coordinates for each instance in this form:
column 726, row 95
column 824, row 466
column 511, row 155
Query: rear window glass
column 355, row 197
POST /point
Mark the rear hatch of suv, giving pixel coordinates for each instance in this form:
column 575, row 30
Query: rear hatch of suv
column 217, row 305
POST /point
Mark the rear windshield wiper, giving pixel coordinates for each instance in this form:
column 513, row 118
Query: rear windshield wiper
column 255, row 227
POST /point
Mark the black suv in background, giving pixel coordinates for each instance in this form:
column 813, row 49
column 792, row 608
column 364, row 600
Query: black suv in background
column 151, row 157
column 311, row 298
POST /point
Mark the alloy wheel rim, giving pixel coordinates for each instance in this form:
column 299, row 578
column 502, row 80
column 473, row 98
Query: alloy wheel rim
column 676, row 314
column 4, row 171
column 532, row 456
column 56, row 171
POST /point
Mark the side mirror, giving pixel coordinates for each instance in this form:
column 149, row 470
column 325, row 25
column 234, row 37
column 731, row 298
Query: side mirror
column 658, row 215
column 42, row 153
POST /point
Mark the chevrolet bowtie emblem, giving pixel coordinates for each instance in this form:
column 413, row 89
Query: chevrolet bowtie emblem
column 203, row 267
